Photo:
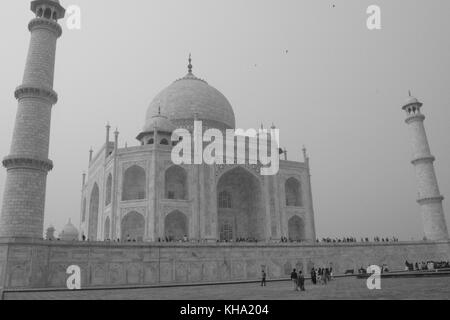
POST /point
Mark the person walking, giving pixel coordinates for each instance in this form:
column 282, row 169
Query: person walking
column 313, row 276
column 301, row 281
column 294, row 279
column 263, row 278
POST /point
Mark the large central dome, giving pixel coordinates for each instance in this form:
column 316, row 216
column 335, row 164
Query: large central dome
column 189, row 97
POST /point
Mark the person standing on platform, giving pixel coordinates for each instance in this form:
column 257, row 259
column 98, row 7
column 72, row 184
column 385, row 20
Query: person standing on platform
column 294, row 278
column 263, row 278
column 313, row 276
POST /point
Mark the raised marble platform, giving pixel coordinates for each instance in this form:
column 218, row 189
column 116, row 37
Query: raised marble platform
column 43, row 264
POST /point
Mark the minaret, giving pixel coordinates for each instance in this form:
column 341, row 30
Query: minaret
column 108, row 129
column 430, row 199
column 27, row 165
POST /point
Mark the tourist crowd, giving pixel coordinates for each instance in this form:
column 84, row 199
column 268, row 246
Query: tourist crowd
column 170, row 239
column 318, row 276
column 354, row 240
column 427, row 266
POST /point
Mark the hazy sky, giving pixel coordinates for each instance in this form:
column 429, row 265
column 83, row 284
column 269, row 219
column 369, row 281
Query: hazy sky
column 338, row 90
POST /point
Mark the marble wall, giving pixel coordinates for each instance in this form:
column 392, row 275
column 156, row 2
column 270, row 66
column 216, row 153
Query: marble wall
column 41, row 264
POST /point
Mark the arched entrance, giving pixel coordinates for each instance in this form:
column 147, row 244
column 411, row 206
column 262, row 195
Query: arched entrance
column 94, row 204
column 296, row 229
column 176, row 226
column 241, row 214
column 133, row 227
column 293, row 192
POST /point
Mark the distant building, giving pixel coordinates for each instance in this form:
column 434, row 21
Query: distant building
column 50, row 233
column 69, row 233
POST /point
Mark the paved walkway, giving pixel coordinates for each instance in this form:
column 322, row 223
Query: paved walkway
column 345, row 288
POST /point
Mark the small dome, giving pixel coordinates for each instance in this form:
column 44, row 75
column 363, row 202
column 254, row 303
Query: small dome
column 69, row 233
column 162, row 123
column 411, row 101
column 55, row 3
column 189, row 97
column 50, row 233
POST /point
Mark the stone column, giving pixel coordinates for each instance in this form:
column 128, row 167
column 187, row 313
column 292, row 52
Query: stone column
column 115, row 197
column 28, row 164
column 158, row 218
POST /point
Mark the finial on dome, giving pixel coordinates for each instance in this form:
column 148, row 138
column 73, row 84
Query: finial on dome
column 409, row 92
column 190, row 63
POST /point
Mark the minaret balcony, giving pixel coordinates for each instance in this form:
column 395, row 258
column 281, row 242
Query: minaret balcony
column 428, row 200
column 415, row 118
column 27, row 162
column 425, row 159
column 27, row 91
column 43, row 23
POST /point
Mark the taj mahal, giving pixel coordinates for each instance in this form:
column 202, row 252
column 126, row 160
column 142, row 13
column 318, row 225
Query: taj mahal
column 146, row 220
column 138, row 193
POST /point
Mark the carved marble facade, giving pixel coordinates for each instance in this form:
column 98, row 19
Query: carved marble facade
column 262, row 208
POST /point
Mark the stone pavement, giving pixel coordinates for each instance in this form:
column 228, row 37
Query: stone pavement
column 344, row 288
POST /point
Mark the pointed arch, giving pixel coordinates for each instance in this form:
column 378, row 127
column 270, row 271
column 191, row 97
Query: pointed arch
column 134, row 181
column 240, row 206
column 176, row 226
column 176, row 186
column 108, row 195
column 94, row 204
column 293, row 193
column 133, row 227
